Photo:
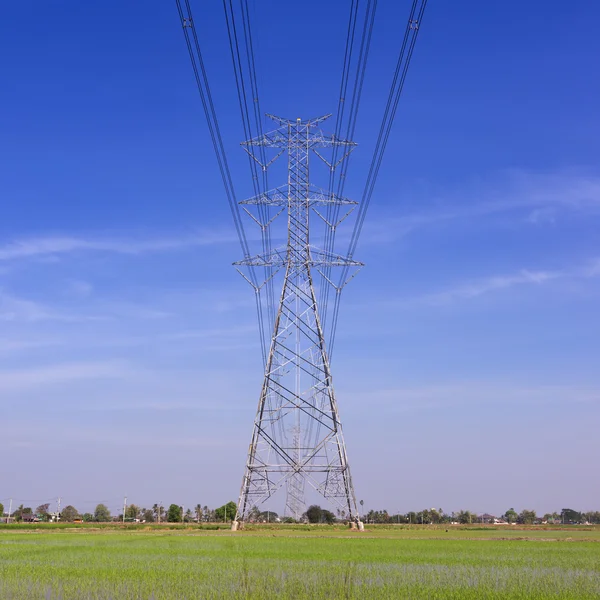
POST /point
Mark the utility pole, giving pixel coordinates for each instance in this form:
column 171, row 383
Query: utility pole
column 9, row 511
column 58, row 509
column 124, row 508
column 297, row 435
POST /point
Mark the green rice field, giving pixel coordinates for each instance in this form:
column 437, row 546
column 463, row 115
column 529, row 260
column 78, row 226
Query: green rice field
column 298, row 562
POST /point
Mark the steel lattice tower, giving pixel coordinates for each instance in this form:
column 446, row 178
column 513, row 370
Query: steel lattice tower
column 297, row 436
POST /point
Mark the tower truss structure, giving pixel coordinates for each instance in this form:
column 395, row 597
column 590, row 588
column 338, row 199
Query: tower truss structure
column 297, row 434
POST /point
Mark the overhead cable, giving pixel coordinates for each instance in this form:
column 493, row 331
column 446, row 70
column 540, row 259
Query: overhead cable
column 404, row 57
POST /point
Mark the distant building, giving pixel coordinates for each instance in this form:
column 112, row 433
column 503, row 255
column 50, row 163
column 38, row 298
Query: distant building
column 30, row 518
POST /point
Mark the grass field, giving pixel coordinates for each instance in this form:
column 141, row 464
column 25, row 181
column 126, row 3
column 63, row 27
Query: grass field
column 298, row 562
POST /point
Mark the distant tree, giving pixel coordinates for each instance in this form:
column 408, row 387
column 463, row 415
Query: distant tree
column 209, row 515
column 188, row 515
column 132, row 512
column 87, row 517
column 314, row 513
column 570, row 516
column 1, row 510
column 69, row 513
column 101, row 514
column 328, row 517
column 527, row 517
column 378, row 516
column 21, row 511
column 429, row 516
column 592, row 517
column 411, row 517
column 267, row 516
column 399, row 518
column 148, row 515
column 174, row 514
column 159, row 512
column 18, row 513
column 198, row 512
column 42, row 512
column 465, row 517
column 253, row 514
column 436, row 516
column 226, row 512
column 510, row 516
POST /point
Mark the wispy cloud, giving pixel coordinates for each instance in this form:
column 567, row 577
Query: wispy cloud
column 35, row 434
column 534, row 198
column 23, row 379
column 48, row 246
column 223, row 333
column 486, row 285
column 491, row 284
column 78, row 288
column 474, row 393
column 11, row 346
column 13, row 308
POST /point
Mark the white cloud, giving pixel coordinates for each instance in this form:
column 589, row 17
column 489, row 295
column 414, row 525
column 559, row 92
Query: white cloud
column 541, row 216
column 24, row 379
column 474, row 393
column 223, row 333
column 79, row 289
column 10, row 346
column 491, row 284
column 486, row 285
column 536, row 198
column 13, row 308
column 35, row 434
column 49, row 246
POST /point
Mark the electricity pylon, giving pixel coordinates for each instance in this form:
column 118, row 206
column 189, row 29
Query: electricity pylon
column 297, row 436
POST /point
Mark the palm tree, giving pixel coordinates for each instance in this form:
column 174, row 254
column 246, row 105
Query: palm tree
column 19, row 512
column 198, row 512
column 158, row 511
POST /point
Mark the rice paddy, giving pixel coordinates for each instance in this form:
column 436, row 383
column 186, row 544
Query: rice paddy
column 305, row 562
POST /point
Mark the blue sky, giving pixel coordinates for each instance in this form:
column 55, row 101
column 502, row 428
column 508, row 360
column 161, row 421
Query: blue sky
column 466, row 362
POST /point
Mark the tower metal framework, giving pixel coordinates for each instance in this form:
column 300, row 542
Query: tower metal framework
column 297, row 434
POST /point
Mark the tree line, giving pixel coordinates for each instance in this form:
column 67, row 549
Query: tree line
column 176, row 513
column 133, row 513
column 566, row 516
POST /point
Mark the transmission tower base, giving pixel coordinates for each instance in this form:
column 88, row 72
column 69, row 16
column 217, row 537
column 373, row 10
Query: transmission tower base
column 235, row 525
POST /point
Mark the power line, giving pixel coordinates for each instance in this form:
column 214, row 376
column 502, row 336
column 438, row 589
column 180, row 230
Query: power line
column 241, row 86
column 406, row 51
column 266, row 231
column 365, row 44
column 202, row 83
column 329, row 231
